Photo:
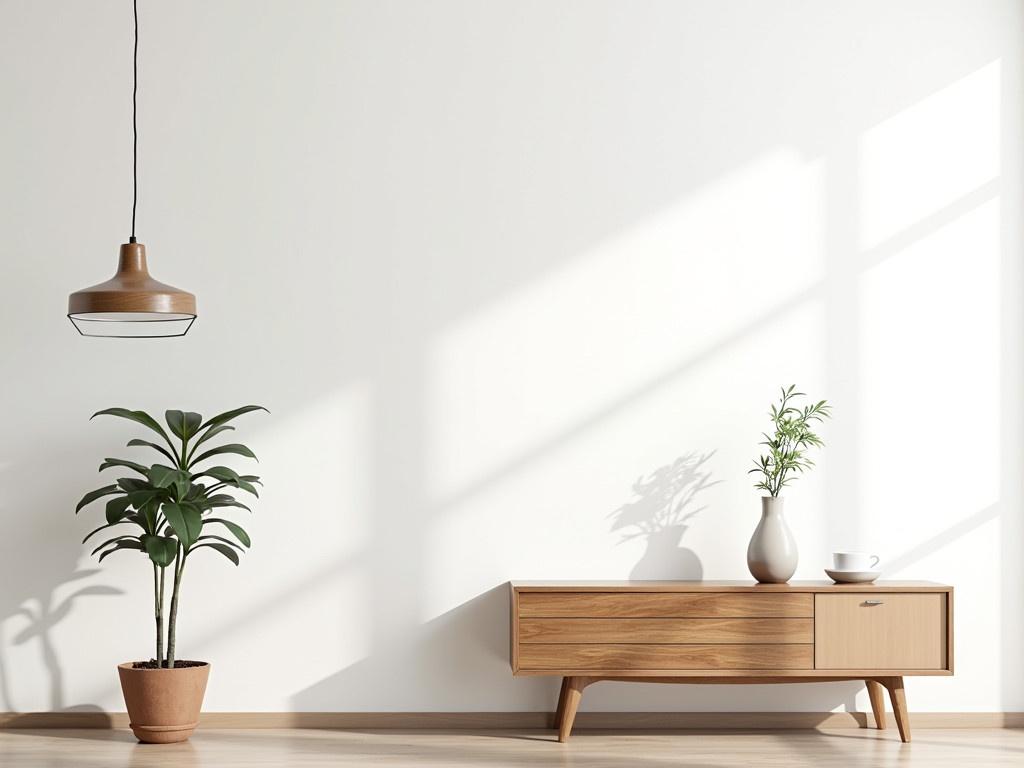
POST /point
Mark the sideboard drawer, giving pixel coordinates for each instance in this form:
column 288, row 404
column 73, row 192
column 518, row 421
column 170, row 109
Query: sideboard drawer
column 706, row 631
column 640, row 656
column 664, row 605
column 877, row 631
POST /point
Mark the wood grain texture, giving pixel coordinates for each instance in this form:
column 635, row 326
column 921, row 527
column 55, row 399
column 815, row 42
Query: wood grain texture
column 663, row 657
column 949, row 630
column 514, row 629
column 843, row 674
column 254, row 721
column 665, row 605
column 714, row 678
column 876, row 693
column 904, row 631
column 725, row 586
column 899, row 704
column 560, row 707
column 666, row 631
column 132, row 289
column 518, row 748
column 573, row 693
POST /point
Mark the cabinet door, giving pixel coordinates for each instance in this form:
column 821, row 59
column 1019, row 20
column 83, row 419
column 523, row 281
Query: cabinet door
column 879, row 631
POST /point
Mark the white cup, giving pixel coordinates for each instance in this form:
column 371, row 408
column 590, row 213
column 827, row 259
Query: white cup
column 854, row 561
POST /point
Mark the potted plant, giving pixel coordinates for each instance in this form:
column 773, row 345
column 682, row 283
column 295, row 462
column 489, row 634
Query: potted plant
column 772, row 555
column 168, row 512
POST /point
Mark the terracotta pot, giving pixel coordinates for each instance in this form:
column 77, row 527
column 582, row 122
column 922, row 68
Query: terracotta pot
column 163, row 704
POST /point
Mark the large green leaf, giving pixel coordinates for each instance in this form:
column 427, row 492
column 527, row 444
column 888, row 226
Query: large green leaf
column 139, row 499
column 245, row 485
column 99, row 493
column 136, row 442
column 212, row 432
column 126, row 544
column 223, row 500
column 117, row 509
column 184, row 424
column 148, row 513
column 108, row 463
column 232, row 478
column 182, row 485
column 229, row 542
column 223, row 418
column 196, row 491
column 235, row 529
column 161, row 549
column 114, row 540
column 224, row 549
column 169, row 477
column 140, row 417
column 236, row 448
column 130, row 484
column 185, row 520
column 104, row 527
column 161, row 475
column 224, row 474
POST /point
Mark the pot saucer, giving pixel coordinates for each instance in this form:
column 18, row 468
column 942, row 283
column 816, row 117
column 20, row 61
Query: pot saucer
column 852, row 577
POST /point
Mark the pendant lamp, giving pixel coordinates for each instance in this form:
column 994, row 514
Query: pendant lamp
column 132, row 304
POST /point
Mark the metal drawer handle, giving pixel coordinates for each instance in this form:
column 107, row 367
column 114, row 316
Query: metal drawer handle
column 873, row 602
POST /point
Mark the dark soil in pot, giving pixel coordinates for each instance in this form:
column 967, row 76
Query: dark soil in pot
column 178, row 664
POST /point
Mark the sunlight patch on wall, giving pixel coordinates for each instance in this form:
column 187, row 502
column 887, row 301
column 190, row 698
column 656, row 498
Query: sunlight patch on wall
column 555, row 516
column 326, row 443
column 315, row 631
column 318, row 520
column 931, row 375
column 553, row 355
column 930, row 154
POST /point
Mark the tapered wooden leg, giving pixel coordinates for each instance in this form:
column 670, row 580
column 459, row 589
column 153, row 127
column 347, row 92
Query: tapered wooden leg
column 877, row 695
column 573, row 694
column 899, row 704
column 560, row 709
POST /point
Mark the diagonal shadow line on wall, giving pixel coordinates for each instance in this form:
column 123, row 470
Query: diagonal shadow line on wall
column 931, row 223
column 944, row 538
column 872, row 257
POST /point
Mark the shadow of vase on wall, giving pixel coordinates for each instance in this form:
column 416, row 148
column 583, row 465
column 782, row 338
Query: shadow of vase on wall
column 665, row 556
column 663, row 506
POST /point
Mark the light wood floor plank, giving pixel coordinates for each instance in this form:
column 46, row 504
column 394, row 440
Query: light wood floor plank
column 54, row 748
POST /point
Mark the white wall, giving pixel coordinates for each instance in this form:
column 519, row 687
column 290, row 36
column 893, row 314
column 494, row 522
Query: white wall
column 487, row 263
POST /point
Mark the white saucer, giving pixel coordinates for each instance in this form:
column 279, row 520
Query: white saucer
column 852, row 577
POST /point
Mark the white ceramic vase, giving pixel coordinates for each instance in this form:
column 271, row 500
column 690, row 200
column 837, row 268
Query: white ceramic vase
column 772, row 555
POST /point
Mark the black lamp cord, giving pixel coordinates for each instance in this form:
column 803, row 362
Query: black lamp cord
column 135, row 125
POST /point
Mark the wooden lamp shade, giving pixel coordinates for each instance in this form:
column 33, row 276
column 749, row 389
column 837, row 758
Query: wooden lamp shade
column 131, row 303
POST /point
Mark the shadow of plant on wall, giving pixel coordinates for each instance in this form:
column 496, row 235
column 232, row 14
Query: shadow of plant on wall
column 43, row 614
column 663, row 504
column 42, row 586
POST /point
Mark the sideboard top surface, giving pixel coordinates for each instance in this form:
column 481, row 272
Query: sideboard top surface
column 725, row 586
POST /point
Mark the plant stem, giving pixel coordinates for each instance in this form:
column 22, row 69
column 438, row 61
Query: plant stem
column 173, row 622
column 158, row 614
column 160, row 622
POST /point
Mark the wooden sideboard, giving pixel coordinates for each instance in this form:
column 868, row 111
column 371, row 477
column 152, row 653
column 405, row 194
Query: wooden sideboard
column 732, row 632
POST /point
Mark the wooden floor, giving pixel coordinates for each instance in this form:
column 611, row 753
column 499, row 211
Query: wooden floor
column 841, row 748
